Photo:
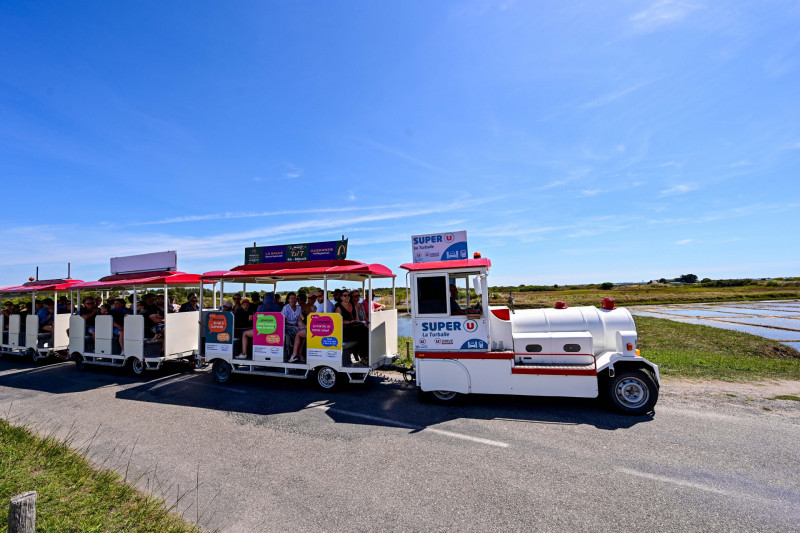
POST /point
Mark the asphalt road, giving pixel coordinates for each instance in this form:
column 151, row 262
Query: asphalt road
column 276, row 455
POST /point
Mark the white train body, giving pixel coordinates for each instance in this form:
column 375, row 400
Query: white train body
column 571, row 352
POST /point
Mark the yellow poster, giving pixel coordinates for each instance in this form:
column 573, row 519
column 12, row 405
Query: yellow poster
column 324, row 335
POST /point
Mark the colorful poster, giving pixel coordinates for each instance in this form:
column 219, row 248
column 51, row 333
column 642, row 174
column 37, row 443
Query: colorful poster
column 439, row 247
column 291, row 253
column 268, row 332
column 325, row 335
column 219, row 333
column 449, row 334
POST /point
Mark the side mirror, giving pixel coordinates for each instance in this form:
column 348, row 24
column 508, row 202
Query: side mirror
column 476, row 284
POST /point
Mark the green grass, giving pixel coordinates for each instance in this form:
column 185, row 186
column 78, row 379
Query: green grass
column 73, row 496
column 703, row 352
column 787, row 397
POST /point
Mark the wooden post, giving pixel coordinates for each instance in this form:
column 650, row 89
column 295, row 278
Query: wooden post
column 22, row 513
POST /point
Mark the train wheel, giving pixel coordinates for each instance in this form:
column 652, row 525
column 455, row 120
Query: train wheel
column 633, row 392
column 326, row 379
column 136, row 366
column 34, row 355
column 79, row 362
column 221, row 371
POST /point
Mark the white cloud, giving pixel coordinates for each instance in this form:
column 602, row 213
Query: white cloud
column 684, row 241
column 591, row 192
column 660, row 14
column 616, row 95
column 683, row 188
column 743, row 163
column 258, row 179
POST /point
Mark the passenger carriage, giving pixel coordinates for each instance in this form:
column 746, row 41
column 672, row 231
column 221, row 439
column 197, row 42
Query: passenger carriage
column 178, row 342
column 329, row 360
column 25, row 338
column 578, row 352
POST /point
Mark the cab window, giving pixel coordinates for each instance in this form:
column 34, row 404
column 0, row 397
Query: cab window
column 432, row 295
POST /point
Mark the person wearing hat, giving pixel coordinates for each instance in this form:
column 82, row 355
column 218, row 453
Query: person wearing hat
column 255, row 300
column 190, row 305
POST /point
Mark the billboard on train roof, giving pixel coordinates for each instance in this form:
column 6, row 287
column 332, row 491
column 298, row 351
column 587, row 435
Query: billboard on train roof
column 439, row 246
column 291, row 253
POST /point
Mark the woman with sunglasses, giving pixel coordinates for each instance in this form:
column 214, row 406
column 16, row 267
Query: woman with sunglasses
column 354, row 329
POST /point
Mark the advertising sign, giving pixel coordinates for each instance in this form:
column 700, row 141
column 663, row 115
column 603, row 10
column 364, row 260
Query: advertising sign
column 145, row 262
column 449, row 334
column 324, row 335
column 290, row 253
column 268, row 332
column 439, row 246
column 219, row 333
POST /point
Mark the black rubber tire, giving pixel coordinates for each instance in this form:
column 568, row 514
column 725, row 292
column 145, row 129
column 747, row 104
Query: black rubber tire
column 80, row 364
column 135, row 366
column 445, row 397
column 633, row 392
column 221, row 371
column 34, row 355
column 327, row 379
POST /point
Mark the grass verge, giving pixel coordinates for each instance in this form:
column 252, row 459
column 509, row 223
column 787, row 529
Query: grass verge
column 73, row 496
column 702, row 352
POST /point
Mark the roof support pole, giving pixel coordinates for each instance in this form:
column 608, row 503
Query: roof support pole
column 394, row 297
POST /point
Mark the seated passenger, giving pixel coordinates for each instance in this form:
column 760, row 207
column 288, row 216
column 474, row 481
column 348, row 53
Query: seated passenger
column 105, row 309
column 354, row 329
column 160, row 304
column 243, row 325
column 269, row 305
column 455, row 309
column 307, row 307
column 153, row 318
column 190, row 305
column 119, row 312
column 46, row 315
column 88, row 312
column 255, row 300
column 322, row 305
column 361, row 313
column 63, row 306
column 295, row 327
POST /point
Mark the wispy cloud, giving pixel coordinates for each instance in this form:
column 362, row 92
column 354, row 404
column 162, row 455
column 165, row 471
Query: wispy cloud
column 293, row 172
column 616, row 95
column 684, row 241
column 661, row 13
column 402, row 155
column 675, row 190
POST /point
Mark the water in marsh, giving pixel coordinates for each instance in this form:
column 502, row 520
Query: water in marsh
column 778, row 319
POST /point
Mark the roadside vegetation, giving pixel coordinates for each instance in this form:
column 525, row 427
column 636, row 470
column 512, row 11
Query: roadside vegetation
column 73, row 496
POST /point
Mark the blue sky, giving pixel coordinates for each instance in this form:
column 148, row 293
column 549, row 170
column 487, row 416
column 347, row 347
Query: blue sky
column 574, row 142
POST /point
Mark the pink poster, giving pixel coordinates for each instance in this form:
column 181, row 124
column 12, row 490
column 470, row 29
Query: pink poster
column 268, row 337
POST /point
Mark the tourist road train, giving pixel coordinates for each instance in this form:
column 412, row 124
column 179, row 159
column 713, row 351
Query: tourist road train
column 462, row 345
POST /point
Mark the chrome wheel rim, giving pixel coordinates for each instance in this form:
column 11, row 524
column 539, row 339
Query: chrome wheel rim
column 632, row 392
column 444, row 394
column 326, row 378
column 137, row 366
